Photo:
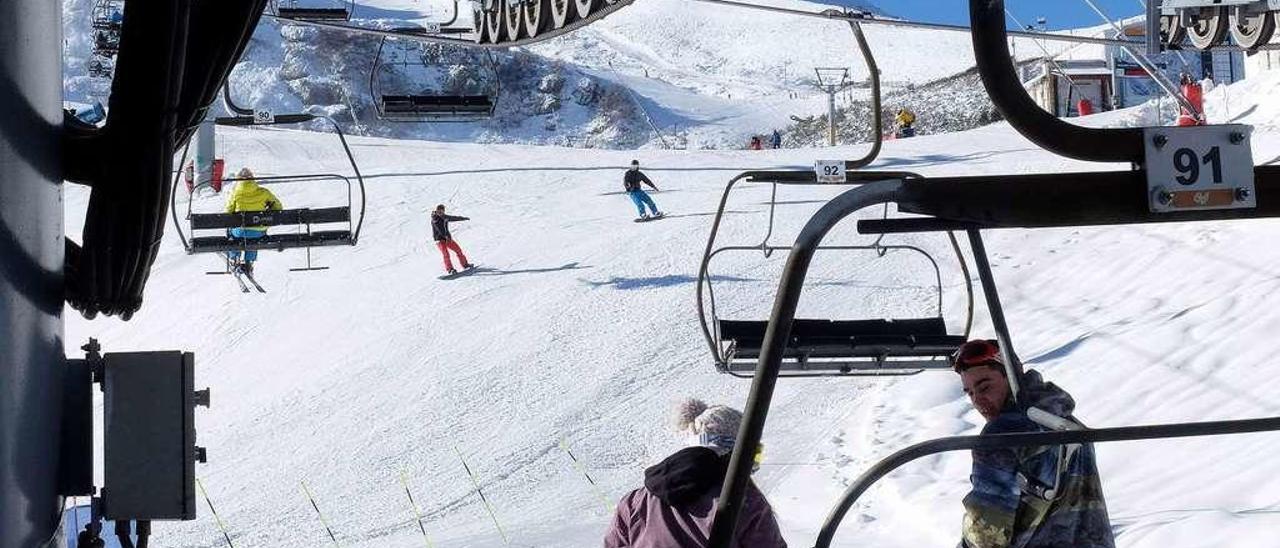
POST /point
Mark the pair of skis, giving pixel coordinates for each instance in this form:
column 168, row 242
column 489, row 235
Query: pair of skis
column 243, row 279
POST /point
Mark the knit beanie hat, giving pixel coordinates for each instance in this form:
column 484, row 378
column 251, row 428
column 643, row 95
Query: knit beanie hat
column 714, row 427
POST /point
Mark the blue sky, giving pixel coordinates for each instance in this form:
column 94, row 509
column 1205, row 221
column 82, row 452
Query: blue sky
column 1060, row 13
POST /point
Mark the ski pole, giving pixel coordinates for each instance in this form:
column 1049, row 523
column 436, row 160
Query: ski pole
column 414, row 506
column 221, row 527
column 323, row 522
column 608, row 506
column 483, row 499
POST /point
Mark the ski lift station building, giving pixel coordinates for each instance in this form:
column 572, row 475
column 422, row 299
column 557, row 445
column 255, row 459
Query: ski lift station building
column 1110, row 77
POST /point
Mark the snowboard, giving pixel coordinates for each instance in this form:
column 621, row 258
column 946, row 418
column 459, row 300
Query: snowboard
column 458, row 274
column 653, row 218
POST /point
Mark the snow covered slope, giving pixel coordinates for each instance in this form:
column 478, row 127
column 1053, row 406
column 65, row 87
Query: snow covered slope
column 580, row 327
column 706, row 74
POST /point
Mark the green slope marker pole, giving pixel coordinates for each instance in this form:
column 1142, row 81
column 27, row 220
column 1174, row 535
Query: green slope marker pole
column 323, row 521
column 595, row 488
column 221, row 526
column 417, row 516
column 483, row 499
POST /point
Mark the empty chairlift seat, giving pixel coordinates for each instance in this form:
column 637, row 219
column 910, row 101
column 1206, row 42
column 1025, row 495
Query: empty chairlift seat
column 303, row 219
column 845, row 347
column 333, row 11
column 414, row 107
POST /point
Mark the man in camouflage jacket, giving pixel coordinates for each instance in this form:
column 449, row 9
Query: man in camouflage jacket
column 1028, row 497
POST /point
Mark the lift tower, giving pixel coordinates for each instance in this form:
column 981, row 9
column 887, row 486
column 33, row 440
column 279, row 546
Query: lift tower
column 31, row 286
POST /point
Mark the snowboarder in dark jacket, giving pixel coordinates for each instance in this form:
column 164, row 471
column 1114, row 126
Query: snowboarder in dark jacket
column 631, row 183
column 444, row 240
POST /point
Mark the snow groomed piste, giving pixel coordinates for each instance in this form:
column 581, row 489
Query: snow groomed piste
column 1163, row 187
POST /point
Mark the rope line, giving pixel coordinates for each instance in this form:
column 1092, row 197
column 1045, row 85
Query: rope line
column 217, row 519
column 323, row 521
column 417, row 515
column 483, row 499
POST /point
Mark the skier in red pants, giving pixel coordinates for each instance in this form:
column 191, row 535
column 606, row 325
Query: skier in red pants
column 444, row 240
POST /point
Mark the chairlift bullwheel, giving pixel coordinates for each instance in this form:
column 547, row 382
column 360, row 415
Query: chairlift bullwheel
column 513, row 18
column 1253, row 30
column 561, row 13
column 536, row 17
column 1172, row 32
column 1209, row 27
column 494, row 26
column 586, row 7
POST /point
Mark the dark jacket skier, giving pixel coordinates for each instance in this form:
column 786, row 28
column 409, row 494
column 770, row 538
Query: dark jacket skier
column 444, row 239
column 631, row 183
column 440, row 224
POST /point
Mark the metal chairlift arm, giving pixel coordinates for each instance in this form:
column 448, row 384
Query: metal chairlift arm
column 991, row 48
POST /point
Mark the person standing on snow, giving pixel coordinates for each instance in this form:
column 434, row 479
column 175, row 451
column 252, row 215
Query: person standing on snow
column 775, row 140
column 249, row 196
column 905, row 120
column 631, row 183
column 1028, row 497
column 444, row 239
column 678, row 501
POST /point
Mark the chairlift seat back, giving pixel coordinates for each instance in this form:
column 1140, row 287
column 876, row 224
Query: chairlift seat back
column 202, row 221
column 809, row 338
column 314, row 14
column 279, row 242
column 287, row 240
column 427, row 106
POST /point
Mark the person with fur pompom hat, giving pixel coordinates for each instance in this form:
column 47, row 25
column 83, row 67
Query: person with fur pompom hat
column 677, row 504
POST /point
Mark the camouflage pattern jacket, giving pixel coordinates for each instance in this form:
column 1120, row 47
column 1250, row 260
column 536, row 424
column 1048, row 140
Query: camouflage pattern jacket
column 1022, row 498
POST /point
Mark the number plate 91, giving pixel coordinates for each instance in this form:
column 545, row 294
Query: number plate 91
column 1197, row 168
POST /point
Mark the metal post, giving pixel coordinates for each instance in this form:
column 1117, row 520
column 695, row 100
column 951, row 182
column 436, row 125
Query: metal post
column 206, row 151
column 831, row 116
column 1013, row 365
column 31, row 284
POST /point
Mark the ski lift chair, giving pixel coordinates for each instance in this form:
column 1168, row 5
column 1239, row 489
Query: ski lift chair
column 415, row 107
column 336, row 225
column 824, row 347
column 337, row 10
column 973, row 204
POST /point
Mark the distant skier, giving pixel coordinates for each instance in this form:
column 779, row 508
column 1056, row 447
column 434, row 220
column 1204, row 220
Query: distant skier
column 755, row 143
column 631, row 183
column 775, row 140
column 247, row 197
column 678, row 501
column 1027, row 497
column 444, row 240
column 906, row 123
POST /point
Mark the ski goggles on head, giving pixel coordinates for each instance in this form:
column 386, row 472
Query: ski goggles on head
column 977, row 352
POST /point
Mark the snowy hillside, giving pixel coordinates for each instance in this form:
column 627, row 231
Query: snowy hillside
column 580, row 327
column 705, row 75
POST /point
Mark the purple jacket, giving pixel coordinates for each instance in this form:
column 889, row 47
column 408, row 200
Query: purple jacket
column 677, row 504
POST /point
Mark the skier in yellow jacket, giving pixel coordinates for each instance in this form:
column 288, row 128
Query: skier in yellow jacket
column 249, row 196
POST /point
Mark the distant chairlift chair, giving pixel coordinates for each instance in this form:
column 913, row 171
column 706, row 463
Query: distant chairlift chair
column 313, row 227
column 823, row 347
column 410, row 107
column 334, row 10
